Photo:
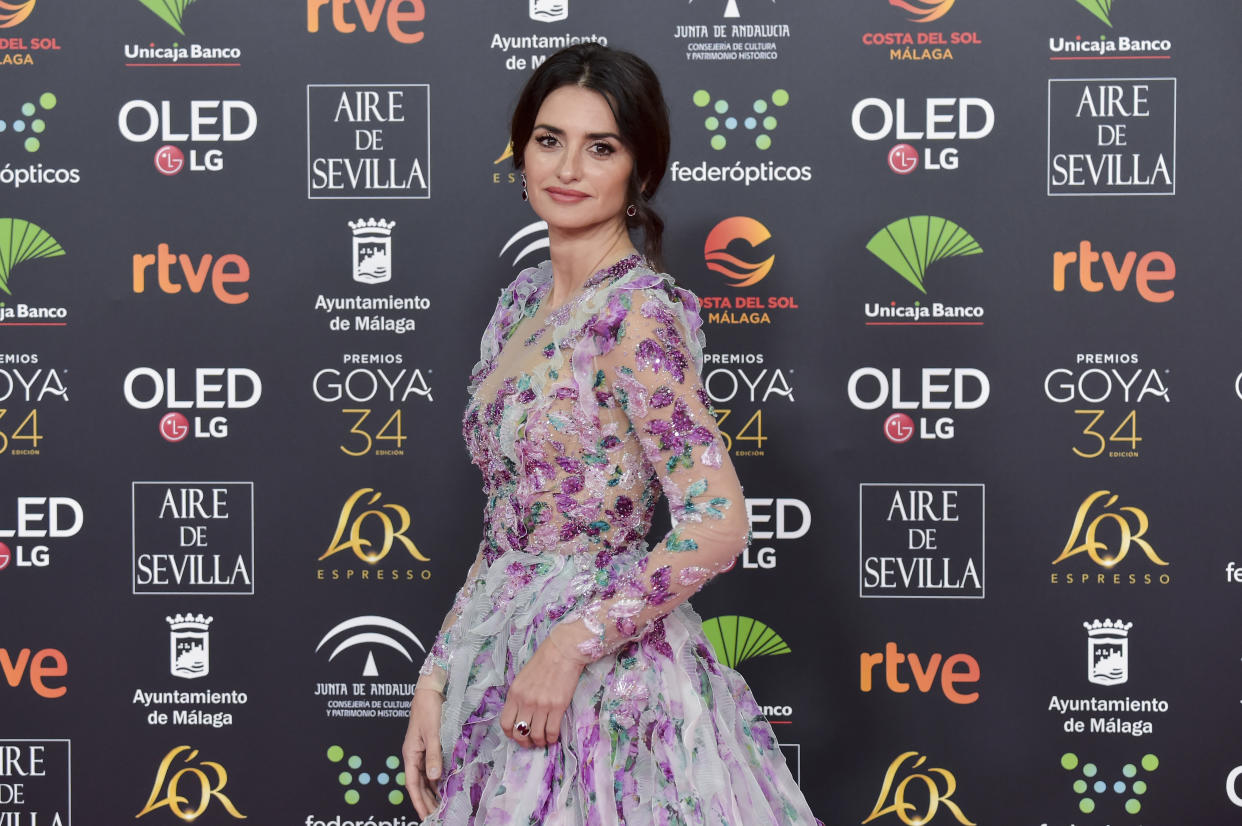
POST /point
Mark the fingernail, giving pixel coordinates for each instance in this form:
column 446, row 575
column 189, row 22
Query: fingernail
column 433, row 773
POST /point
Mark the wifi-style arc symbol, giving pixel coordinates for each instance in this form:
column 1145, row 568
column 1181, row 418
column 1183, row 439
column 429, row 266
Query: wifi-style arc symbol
column 371, row 630
column 715, row 250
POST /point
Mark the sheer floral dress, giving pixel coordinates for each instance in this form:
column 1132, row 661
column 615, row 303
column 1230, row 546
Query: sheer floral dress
column 580, row 418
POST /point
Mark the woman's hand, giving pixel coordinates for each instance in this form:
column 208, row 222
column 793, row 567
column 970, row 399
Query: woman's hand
column 540, row 694
column 421, row 750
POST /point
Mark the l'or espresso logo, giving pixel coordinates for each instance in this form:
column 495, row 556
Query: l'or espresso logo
column 211, row 388
column 1102, row 42
column 1105, row 532
column 188, row 655
column 362, row 690
column 1106, row 391
column 735, row 248
column 26, row 388
column 200, row 123
column 741, row 386
column 386, row 387
column 939, row 388
column 1113, row 136
column 368, row 141
column 188, row 785
column 773, row 521
column 368, row 530
column 193, row 538
column 179, row 52
column 927, row 40
column 933, row 784
column 402, row 20
column 932, row 121
column 35, row 784
column 39, row 522
column 21, row 45
column 710, row 37
column 22, row 241
column 933, row 674
column 372, row 264
column 1108, row 665
column 172, row 273
column 1119, row 271
column 909, row 246
column 921, row 540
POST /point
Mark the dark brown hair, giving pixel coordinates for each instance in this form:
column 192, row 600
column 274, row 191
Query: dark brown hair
column 633, row 94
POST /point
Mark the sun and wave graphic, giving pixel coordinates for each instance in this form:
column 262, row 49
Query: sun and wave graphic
column 924, row 11
column 716, row 251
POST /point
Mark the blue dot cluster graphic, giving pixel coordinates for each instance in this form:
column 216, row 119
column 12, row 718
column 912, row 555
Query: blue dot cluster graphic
column 28, row 121
column 1091, row 783
column 759, row 118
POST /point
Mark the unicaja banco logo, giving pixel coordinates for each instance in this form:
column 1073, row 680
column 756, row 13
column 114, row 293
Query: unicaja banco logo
column 27, row 120
column 716, row 250
column 925, row 11
column 170, row 11
column 758, row 119
column 738, row 639
column 1108, row 651
column 12, row 14
column 1100, row 8
column 1091, row 785
column 21, row 241
column 909, row 246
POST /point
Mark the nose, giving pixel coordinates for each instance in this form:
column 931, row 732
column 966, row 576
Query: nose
column 570, row 167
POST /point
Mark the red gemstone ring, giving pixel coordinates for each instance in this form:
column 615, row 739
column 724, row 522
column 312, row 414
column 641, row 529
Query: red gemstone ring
column 522, row 727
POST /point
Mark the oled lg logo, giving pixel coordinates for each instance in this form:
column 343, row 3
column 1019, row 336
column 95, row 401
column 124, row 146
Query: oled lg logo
column 945, row 119
column 39, row 519
column 214, row 388
column 870, row 388
column 206, row 122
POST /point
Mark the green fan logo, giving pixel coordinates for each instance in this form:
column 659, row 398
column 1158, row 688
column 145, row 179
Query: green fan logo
column 1100, row 8
column 738, row 639
column 21, row 241
column 170, row 11
column 912, row 244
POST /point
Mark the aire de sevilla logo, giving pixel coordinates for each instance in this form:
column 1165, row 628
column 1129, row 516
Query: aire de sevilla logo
column 735, row 249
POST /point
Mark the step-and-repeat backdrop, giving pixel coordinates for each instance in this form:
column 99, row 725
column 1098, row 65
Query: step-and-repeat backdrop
column 970, row 302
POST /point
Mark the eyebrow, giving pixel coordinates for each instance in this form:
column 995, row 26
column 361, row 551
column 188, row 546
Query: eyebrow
column 590, row 135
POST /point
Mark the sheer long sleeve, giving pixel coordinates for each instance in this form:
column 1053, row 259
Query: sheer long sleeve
column 434, row 672
column 648, row 368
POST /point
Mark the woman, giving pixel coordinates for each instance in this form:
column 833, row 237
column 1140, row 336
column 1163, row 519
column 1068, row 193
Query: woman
column 571, row 683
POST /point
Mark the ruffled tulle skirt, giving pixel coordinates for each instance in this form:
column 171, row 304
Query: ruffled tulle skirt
column 658, row 733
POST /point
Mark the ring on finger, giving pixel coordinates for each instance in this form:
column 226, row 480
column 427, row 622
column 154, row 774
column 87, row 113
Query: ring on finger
column 522, row 727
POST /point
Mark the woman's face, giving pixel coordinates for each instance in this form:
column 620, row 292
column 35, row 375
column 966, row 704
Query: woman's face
column 577, row 170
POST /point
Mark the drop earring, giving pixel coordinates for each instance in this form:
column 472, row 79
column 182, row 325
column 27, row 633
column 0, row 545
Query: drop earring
column 525, row 197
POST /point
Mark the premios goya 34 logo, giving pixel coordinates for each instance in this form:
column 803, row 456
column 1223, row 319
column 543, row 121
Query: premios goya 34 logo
column 190, row 788
column 1098, row 384
column 27, row 387
column 741, row 386
column 909, row 246
column 20, row 241
column 380, row 381
column 902, row 797
column 1105, row 533
column 733, row 249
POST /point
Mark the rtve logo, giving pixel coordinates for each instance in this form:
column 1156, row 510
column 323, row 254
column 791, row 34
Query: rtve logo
column 958, row 668
column 369, row 14
column 44, row 663
column 227, row 269
column 1153, row 266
